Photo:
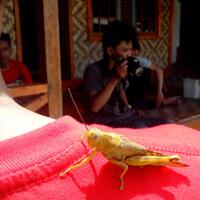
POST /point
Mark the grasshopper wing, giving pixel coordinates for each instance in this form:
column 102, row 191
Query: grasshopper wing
column 138, row 155
column 154, row 158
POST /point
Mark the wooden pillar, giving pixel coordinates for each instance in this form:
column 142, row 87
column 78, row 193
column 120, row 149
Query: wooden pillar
column 52, row 53
column 18, row 30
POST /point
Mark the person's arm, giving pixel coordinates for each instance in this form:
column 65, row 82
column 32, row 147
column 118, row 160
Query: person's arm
column 146, row 63
column 124, row 98
column 99, row 98
column 159, row 74
column 14, row 119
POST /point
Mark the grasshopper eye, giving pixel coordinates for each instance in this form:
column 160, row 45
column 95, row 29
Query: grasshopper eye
column 95, row 137
column 95, row 134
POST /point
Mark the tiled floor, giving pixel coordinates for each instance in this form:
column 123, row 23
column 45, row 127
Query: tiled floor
column 185, row 113
column 187, row 108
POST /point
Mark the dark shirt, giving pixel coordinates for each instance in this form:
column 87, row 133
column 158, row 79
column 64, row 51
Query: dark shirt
column 95, row 78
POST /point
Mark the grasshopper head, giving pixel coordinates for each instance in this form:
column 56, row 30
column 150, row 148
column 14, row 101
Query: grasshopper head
column 93, row 136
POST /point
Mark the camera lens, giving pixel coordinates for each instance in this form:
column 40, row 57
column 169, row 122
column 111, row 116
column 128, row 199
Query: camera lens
column 134, row 68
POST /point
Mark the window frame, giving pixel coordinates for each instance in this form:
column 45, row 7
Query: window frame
column 156, row 33
column 96, row 36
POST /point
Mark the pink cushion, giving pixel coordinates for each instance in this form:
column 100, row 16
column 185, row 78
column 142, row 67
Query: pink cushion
column 30, row 165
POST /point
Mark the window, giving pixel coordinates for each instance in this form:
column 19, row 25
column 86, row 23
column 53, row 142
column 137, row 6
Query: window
column 100, row 12
column 143, row 14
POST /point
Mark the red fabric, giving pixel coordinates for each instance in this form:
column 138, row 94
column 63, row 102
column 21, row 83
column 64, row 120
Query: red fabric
column 30, row 165
column 17, row 71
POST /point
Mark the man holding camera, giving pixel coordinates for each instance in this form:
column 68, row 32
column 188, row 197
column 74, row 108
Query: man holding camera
column 105, row 82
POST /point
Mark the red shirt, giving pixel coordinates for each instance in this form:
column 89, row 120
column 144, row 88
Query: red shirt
column 30, row 165
column 17, row 71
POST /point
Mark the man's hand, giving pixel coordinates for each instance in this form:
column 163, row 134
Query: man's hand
column 121, row 70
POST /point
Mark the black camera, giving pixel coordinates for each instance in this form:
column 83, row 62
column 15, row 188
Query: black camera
column 134, row 68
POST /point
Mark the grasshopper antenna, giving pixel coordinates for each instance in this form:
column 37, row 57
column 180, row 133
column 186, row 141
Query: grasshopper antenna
column 72, row 98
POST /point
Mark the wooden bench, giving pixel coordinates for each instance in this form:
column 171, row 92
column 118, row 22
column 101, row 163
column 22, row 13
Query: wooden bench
column 35, row 96
column 32, row 97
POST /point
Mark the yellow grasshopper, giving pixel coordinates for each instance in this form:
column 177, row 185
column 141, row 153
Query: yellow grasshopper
column 122, row 152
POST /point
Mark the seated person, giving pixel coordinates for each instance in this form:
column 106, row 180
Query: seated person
column 135, row 94
column 103, row 85
column 13, row 71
